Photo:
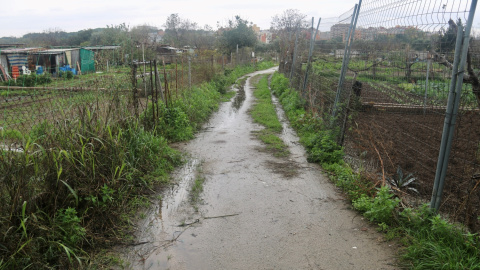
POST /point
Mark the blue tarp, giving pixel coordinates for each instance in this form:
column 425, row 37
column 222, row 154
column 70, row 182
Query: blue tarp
column 18, row 60
column 67, row 68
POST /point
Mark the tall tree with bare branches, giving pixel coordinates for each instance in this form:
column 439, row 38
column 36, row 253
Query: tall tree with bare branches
column 285, row 27
column 447, row 40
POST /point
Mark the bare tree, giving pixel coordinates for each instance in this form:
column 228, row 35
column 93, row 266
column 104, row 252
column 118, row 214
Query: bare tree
column 472, row 76
column 140, row 33
column 204, row 39
column 285, row 27
column 181, row 32
column 172, row 29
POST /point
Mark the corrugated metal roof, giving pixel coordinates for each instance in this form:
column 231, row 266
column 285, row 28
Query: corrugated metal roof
column 22, row 50
column 167, row 47
column 4, row 45
column 56, row 51
column 101, row 47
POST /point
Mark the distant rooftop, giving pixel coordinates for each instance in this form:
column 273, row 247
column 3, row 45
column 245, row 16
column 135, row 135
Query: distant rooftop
column 110, row 47
column 12, row 45
column 21, row 50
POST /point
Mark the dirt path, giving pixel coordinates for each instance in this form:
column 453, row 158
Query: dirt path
column 277, row 213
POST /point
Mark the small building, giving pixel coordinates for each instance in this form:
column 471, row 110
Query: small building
column 51, row 60
column 19, row 57
column 107, row 56
column 265, row 36
column 167, row 53
column 156, row 37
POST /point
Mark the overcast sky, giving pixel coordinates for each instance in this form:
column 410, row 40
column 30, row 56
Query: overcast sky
column 19, row 17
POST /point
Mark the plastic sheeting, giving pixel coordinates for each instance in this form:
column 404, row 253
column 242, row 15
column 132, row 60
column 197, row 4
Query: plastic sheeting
column 4, row 64
column 87, row 59
column 17, row 59
column 69, row 57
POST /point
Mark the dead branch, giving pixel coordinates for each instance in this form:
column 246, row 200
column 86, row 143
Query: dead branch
column 137, row 244
column 381, row 163
column 222, row 216
column 188, row 224
column 470, row 77
column 376, row 63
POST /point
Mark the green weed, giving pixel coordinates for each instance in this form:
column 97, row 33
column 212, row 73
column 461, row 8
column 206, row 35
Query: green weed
column 69, row 226
column 10, row 134
column 75, row 184
column 434, row 243
column 264, row 65
column 380, row 208
column 273, row 143
column 431, row 242
column 197, row 189
column 68, row 180
column 264, row 113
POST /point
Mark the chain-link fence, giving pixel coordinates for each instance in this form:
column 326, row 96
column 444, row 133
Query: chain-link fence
column 389, row 92
column 48, row 92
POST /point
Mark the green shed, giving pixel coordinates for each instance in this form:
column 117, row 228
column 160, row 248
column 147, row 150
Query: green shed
column 87, row 61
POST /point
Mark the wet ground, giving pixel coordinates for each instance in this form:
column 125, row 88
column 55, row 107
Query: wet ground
column 256, row 211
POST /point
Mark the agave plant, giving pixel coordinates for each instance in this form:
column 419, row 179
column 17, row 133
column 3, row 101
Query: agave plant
column 402, row 181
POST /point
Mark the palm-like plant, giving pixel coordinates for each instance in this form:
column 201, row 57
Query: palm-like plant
column 402, row 181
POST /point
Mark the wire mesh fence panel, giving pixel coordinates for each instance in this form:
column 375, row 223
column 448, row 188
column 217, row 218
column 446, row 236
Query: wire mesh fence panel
column 390, row 111
column 55, row 94
column 30, row 102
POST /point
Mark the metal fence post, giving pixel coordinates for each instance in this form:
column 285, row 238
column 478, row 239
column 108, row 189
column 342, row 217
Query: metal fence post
column 189, row 72
column 461, row 50
column 134, row 84
column 312, row 43
column 152, row 90
column 346, row 56
column 294, row 56
column 426, row 88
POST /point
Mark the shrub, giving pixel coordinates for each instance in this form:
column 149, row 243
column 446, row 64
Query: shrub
column 323, row 148
column 10, row 134
column 220, row 83
column 380, row 208
column 66, row 74
column 69, row 226
column 41, row 130
column 279, row 84
column 265, row 65
column 31, row 80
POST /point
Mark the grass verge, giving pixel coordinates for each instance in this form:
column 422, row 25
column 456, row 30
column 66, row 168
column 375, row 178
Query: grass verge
column 429, row 241
column 264, row 113
column 197, row 189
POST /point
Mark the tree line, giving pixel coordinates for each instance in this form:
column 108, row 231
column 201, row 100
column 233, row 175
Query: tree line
column 177, row 32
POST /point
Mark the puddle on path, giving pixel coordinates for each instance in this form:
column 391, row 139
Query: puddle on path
column 252, row 217
column 239, row 98
column 163, row 223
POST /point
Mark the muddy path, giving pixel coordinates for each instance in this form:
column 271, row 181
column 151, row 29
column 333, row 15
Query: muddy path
column 256, row 211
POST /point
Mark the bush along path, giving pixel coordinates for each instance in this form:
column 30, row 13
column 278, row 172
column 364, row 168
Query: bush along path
column 76, row 185
column 428, row 240
column 257, row 209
